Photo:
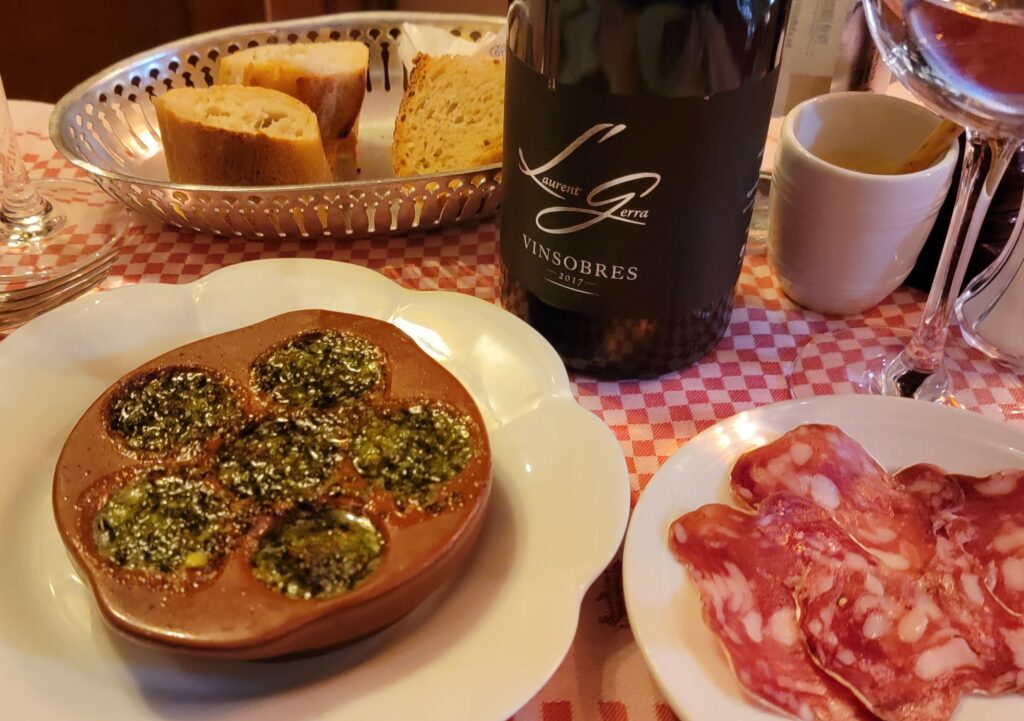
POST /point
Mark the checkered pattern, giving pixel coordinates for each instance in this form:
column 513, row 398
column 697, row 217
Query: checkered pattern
column 604, row 676
column 67, row 252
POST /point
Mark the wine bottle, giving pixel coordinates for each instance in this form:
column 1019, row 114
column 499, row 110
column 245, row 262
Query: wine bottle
column 633, row 138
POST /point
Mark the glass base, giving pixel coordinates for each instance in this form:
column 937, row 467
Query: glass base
column 856, row 361
column 21, row 232
column 52, row 257
column 84, row 227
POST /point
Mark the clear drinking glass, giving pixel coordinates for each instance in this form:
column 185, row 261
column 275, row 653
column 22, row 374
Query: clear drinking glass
column 991, row 310
column 58, row 237
column 964, row 60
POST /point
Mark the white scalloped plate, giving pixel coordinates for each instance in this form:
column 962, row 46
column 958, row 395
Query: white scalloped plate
column 478, row 649
column 663, row 606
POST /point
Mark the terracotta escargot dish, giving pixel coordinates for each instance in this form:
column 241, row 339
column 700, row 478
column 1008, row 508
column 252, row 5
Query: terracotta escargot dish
column 274, row 490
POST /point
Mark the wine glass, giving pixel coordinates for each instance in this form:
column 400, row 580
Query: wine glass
column 964, row 60
column 58, row 238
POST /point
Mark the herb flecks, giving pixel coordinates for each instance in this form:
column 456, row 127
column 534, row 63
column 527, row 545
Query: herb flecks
column 164, row 522
column 409, row 451
column 319, row 370
column 280, row 459
column 318, row 553
column 171, row 408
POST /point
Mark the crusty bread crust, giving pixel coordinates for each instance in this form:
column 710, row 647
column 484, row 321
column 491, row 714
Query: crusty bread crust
column 329, row 77
column 343, row 155
column 451, row 116
column 233, row 135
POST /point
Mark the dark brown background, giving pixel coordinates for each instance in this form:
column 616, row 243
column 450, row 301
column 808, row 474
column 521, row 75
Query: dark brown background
column 49, row 46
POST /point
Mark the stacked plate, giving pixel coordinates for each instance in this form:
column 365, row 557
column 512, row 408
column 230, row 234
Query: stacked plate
column 40, row 275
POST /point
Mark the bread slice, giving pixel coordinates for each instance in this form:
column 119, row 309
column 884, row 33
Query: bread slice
column 451, row 115
column 329, row 77
column 234, row 135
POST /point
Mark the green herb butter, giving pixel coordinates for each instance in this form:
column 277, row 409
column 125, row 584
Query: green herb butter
column 319, row 370
column 410, row 450
column 280, row 459
column 318, row 553
column 171, row 408
column 164, row 522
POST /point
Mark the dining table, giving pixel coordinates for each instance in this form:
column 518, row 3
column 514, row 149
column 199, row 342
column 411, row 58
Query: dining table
column 604, row 674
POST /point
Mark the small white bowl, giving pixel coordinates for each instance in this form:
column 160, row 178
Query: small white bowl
column 841, row 240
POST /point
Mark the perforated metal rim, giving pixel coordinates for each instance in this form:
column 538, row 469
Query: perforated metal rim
column 58, row 119
column 107, row 118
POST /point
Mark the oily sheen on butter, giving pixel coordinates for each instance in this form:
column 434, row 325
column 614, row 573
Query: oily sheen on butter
column 277, row 489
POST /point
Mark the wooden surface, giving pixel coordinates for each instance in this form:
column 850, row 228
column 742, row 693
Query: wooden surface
column 49, row 46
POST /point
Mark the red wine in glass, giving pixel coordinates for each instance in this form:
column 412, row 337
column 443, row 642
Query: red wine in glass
column 971, row 56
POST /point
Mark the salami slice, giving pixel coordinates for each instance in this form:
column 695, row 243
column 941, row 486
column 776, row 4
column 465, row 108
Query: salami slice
column 877, row 629
column 991, row 529
column 956, row 581
column 933, row 487
column 825, row 465
column 741, row 579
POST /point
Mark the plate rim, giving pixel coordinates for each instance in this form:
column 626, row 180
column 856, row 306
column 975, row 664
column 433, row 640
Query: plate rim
column 618, row 486
column 643, row 512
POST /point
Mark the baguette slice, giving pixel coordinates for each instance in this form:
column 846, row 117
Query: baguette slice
column 329, row 77
column 451, row 116
column 234, row 135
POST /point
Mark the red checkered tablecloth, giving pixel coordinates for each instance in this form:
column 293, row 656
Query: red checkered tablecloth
column 603, row 676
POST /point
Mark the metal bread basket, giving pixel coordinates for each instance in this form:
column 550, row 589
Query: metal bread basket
column 107, row 126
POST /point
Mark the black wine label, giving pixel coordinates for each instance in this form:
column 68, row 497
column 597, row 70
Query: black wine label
column 616, row 205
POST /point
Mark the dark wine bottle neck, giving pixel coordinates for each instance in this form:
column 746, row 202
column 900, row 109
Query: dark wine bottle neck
column 668, row 48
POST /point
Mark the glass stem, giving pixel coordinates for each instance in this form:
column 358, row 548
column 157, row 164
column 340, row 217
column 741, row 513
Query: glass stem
column 983, row 167
column 22, row 203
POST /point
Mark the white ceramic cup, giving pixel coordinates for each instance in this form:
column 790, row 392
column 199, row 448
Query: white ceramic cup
column 841, row 240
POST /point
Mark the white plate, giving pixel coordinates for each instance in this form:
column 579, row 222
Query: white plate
column 664, row 609
column 479, row 649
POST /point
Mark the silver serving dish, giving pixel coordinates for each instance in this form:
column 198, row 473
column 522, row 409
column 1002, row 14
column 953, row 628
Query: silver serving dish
column 107, row 126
